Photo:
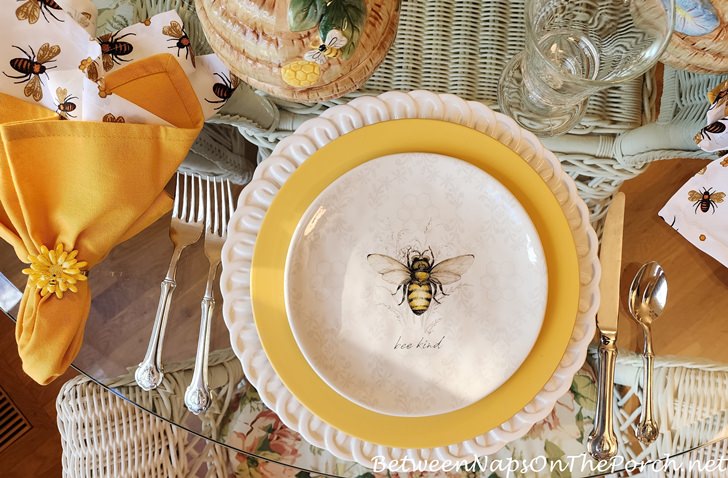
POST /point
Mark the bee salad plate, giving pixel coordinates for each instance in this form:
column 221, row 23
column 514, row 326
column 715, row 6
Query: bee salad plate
column 380, row 234
column 415, row 284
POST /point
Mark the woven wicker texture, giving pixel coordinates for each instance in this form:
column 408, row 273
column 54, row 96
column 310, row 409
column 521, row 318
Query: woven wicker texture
column 460, row 47
column 103, row 435
column 690, row 404
column 704, row 48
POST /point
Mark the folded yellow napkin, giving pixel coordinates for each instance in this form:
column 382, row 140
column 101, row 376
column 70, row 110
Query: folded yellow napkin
column 86, row 186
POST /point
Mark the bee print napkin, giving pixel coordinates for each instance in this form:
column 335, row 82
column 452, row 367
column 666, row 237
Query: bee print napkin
column 699, row 209
column 714, row 137
column 50, row 55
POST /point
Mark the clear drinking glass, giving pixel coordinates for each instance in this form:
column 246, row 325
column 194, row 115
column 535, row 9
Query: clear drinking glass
column 575, row 48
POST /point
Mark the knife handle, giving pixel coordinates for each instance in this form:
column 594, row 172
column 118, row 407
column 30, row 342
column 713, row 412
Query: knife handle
column 602, row 443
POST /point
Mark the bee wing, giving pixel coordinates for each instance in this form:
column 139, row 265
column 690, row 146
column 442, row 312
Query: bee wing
column 174, row 29
column 61, row 94
column 234, row 81
column 33, row 88
column 30, row 11
column 110, row 118
column 391, row 269
column 336, row 39
column 48, row 52
column 717, row 197
column 450, row 270
column 694, row 195
column 315, row 56
column 108, row 61
column 92, row 73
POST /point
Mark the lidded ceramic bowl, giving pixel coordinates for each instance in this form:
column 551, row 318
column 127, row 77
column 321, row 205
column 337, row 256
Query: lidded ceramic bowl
column 300, row 50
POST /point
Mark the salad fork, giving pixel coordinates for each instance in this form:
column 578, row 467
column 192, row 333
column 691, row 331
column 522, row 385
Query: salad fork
column 218, row 209
column 184, row 230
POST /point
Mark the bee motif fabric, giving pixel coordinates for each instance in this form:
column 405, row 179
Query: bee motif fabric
column 699, row 211
column 714, row 136
column 50, row 54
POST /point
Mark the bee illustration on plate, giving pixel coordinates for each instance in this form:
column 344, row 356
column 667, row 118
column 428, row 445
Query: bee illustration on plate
column 177, row 32
column 420, row 279
column 65, row 105
column 330, row 48
column 113, row 49
column 224, row 90
column 713, row 128
column 706, row 199
column 31, row 10
column 31, row 67
column 110, row 118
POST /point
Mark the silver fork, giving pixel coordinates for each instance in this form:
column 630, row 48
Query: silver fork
column 197, row 395
column 184, row 230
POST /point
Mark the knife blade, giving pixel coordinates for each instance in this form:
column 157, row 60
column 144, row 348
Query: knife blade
column 602, row 443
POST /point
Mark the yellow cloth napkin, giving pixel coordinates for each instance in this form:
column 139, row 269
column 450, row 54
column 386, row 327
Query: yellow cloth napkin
column 87, row 186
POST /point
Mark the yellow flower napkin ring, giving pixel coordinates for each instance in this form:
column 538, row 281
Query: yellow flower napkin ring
column 55, row 271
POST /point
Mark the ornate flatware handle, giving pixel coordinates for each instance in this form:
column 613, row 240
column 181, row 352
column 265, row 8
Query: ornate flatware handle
column 149, row 373
column 602, row 443
column 647, row 430
column 197, row 395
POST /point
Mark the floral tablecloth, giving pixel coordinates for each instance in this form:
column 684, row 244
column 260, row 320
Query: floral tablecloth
column 251, row 426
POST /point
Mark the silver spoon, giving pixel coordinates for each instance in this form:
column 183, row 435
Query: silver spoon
column 647, row 298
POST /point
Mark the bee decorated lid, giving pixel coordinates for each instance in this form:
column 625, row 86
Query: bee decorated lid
column 700, row 41
column 301, row 50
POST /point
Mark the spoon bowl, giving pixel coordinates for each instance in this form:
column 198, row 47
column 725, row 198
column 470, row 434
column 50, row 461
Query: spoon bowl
column 648, row 293
column 647, row 299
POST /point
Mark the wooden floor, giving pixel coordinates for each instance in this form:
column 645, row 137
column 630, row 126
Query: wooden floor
column 693, row 324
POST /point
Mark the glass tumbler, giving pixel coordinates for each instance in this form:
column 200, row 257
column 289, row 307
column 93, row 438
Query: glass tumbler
column 575, row 48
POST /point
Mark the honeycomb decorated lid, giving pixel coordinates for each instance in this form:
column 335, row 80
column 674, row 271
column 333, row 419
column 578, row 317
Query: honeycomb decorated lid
column 300, row 50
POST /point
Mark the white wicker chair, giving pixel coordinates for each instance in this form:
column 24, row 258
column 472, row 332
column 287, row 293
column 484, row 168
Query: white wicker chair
column 690, row 404
column 103, row 435
column 460, row 47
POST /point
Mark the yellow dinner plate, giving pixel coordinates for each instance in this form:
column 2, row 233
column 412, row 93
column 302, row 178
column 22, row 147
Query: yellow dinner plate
column 342, row 155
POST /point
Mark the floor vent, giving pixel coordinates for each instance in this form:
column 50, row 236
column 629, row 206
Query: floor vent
column 13, row 424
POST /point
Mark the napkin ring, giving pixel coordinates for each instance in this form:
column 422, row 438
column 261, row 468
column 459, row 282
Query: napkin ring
column 55, row 271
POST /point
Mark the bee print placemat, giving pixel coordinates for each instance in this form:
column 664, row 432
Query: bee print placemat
column 51, row 55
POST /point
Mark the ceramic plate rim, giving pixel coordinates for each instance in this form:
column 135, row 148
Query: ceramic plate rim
column 312, row 391
column 293, row 151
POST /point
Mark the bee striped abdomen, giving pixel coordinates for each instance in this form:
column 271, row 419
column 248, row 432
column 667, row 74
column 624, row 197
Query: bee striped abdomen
column 222, row 91
column 23, row 65
column 419, row 297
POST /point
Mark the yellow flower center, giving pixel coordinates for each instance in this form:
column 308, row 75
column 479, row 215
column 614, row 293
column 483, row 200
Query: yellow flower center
column 55, row 271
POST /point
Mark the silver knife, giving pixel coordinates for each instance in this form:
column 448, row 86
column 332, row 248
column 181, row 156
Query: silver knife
column 602, row 443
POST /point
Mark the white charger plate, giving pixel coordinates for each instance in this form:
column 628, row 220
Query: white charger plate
column 434, row 354
column 290, row 154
